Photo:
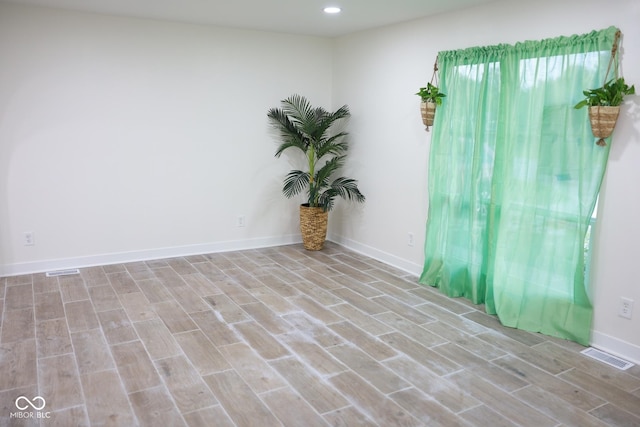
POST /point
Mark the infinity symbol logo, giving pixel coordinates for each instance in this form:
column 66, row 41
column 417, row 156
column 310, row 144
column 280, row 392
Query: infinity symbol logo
column 30, row 403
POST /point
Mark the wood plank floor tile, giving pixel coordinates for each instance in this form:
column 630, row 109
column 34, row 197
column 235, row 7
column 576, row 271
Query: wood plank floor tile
column 291, row 409
column 18, row 364
column 135, row 367
column 185, row 384
column 72, row 288
column 201, row 285
column 137, row 306
column 365, row 322
column 18, row 325
column 154, row 290
column 60, row 382
column 201, row 352
column 174, row 317
column 614, row 416
column 253, row 369
column 92, row 352
column 49, row 306
column 157, row 339
column 524, row 352
column 422, row 334
column 53, row 337
column 568, row 392
column 18, row 297
column 154, row 407
column 138, row 270
column 504, row 379
column 94, row 276
column 273, row 300
column 421, row 354
column 218, row 332
column 261, row 341
column 500, row 401
column 116, row 326
column 318, row 294
column 478, row 416
column 359, row 302
column 313, row 330
column 314, row 389
column 81, row 316
column 438, row 388
column 282, row 336
column 373, row 346
column 104, row 298
column 75, row 416
column 8, row 406
column 318, row 358
column 107, row 402
column 267, row 318
column 226, row 308
column 241, row 404
column 314, row 309
column 384, row 411
column 611, row 393
column 349, row 417
column 188, row 299
column 426, row 410
column 213, row 416
column 42, row 284
column 368, row 368
column 618, row 378
column 556, row 408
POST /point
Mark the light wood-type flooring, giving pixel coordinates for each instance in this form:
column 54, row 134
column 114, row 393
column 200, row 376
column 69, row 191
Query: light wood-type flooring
column 283, row 336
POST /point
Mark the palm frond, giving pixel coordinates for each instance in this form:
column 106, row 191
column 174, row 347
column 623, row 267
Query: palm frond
column 324, row 173
column 294, row 183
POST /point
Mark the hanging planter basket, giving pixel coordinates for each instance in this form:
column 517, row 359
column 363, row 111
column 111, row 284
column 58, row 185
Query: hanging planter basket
column 603, row 120
column 604, row 102
column 428, row 111
column 313, row 226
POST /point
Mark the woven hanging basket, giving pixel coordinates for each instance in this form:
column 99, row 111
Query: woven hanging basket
column 313, row 226
column 428, row 111
column 603, row 120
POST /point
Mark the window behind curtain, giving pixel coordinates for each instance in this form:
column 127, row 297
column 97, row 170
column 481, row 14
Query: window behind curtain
column 514, row 173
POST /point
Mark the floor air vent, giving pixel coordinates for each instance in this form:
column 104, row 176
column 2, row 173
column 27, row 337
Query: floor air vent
column 67, row 272
column 610, row 360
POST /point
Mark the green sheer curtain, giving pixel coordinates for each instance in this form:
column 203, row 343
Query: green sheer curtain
column 514, row 174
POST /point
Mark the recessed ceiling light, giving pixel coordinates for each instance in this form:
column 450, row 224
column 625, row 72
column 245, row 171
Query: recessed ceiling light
column 332, row 9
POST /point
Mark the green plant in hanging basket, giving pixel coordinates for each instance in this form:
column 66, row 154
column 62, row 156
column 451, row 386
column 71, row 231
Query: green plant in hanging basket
column 604, row 106
column 610, row 95
column 430, row 96
column 431, row 93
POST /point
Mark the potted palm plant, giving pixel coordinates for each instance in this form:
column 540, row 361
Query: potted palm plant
column 431, row 97
column 310, row 130
column 604, row 106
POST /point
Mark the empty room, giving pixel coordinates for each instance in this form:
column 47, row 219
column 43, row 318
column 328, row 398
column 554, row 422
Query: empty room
column 319, row 213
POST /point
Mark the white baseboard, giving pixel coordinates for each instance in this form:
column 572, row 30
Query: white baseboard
column 387, row 258
column 144, row 255
column 616, row 346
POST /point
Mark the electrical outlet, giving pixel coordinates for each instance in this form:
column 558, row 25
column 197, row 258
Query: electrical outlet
column 28, row 238
column 240, row 221
column 626, row 308
column 410, row 239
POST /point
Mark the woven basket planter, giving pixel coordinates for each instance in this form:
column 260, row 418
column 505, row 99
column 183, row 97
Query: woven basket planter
column 428, row 111
column 313, row 226
column 603, row 120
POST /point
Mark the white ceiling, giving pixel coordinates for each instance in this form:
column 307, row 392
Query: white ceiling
column 288, row 16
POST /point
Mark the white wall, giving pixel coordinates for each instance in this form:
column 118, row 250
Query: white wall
column 377, row 73
column 124, row 139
